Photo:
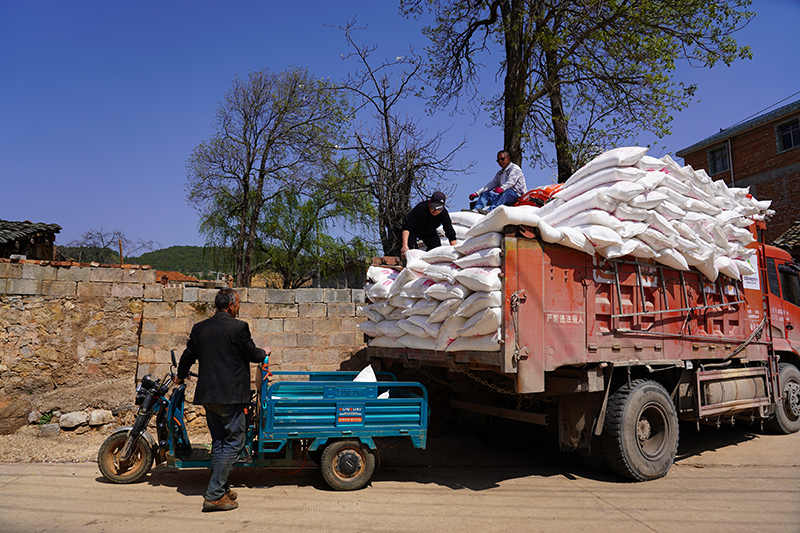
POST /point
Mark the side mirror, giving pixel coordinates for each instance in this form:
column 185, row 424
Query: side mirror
column 174, row 363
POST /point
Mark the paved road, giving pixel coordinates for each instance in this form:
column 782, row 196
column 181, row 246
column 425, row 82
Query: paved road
column 725, row 480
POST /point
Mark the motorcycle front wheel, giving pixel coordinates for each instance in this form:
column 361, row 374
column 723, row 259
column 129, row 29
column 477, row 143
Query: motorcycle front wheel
column 137, row 467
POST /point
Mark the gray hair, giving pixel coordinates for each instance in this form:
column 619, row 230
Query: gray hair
column 224, row 298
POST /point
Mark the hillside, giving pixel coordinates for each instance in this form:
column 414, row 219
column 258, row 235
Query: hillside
column 185, row 259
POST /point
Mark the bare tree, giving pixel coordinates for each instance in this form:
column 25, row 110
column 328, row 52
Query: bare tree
column 105, row 246
column 401, row 161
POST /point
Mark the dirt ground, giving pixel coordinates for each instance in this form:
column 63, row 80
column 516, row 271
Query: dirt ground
column 25, row 446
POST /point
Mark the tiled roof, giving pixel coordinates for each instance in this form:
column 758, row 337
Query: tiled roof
column 744, row 126
column 174, row 276
column 11, row 231
column 790, row 238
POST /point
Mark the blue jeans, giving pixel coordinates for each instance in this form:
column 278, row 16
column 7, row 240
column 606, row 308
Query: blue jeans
column 491, row 200
column 227, row 426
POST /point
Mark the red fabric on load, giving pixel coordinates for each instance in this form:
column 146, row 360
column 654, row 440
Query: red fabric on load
column 542, row 194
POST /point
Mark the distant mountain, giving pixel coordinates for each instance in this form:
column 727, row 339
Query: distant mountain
column 185, row 259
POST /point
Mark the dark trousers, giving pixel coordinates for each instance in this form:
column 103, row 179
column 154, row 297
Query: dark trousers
column 227, row 426
column 431, row 240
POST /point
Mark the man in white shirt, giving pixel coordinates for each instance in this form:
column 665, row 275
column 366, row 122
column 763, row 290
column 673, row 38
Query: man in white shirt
column 504, row 189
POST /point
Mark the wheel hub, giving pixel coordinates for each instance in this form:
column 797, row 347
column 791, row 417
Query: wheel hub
column 348, row 463
column 793, row 399
column 643, row 430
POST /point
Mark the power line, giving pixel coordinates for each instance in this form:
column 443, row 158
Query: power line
column 760, row 112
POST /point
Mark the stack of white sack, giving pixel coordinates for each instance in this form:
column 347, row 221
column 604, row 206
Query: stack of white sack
column 446, row 299
column 462, row 222
column 621, row 203
column 626, row 203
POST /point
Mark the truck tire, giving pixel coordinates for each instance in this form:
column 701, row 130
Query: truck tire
column 787, row 414
column 640, row 436
column 347, row 464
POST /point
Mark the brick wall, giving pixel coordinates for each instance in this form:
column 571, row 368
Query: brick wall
column 770, row 175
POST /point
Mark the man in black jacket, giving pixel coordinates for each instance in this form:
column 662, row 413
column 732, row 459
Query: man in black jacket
column 224, row 349
column 422, row 222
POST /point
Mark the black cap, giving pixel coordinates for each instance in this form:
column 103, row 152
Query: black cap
column 437, row 200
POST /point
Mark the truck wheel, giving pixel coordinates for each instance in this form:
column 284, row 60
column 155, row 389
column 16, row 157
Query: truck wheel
column 787, row 414
column 640, row 437
column 347, row 464
column 108, row 459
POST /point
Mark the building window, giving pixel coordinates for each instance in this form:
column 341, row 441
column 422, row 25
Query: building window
column 718, row 160
column 789, row 135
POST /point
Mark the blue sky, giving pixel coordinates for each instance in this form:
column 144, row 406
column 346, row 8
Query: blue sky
column 102, row 102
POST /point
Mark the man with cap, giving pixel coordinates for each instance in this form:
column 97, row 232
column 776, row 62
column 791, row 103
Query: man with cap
column 422, row 222
column 504, row 189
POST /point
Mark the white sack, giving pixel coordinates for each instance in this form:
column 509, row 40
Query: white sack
column 491, row 257
column 449, row 332
column 593, row 216
column 422, row 307
column 377, row 273
column 416, row 288
column 444, row 290
column 417, row 343
column 402, row 302
column 600, row 236
column 431, row 328
column 442, row 272
column 411, row 328
column 477, row 302
column 584, row 202
column 391, row 329
column 480, row 242
column 503, row 216
column 385, row 342
column 618, row 157
column 369, row 311
column 482, row 343
column 672, row 259
column 480, row 279
column 417, row 263
column 406, row 276
column 370, row 328
column 604, row 181
column 482, row 323
column 444, row 309
column 465, row 218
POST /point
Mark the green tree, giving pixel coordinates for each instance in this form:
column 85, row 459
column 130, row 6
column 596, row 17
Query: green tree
column 273, row 131
column 578, row 75
column 294, row 229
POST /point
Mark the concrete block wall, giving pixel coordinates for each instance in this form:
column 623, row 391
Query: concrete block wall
column 68, row 326
column 306, row 329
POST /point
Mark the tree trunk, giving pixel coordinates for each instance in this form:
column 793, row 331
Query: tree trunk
column 561, row 137
column 516, row 77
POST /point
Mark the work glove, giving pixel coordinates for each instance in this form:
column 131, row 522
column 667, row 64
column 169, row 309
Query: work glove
column 472, row 196
column 498, row 190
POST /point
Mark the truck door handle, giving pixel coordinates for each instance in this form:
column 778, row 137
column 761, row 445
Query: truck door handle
column 789, row 326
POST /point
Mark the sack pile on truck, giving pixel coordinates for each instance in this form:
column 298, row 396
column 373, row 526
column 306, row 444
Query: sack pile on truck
column 621, row 203
column 624, row 202
column 446, row 299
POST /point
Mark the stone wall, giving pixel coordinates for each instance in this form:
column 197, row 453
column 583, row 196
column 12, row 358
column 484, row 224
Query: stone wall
column 74, row 336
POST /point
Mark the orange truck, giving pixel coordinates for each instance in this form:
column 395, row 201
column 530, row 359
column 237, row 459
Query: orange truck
column 615, row 352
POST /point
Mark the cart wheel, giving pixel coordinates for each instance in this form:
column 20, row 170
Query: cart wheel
column 108, row 459
column 347, row 464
